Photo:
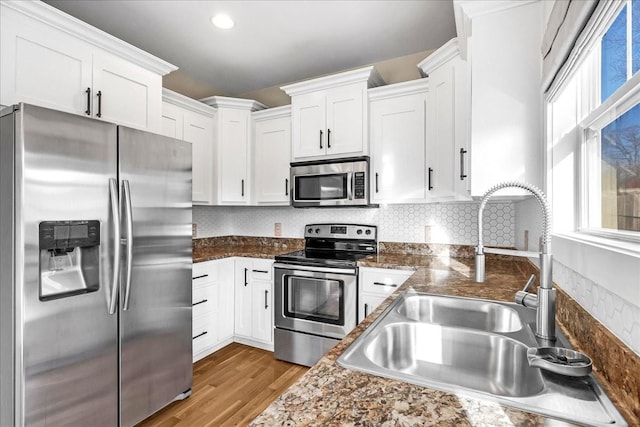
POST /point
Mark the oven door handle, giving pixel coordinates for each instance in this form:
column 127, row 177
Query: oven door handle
column 294, row 268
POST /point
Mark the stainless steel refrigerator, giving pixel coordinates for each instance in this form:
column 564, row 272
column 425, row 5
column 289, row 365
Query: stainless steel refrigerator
column 95, row 270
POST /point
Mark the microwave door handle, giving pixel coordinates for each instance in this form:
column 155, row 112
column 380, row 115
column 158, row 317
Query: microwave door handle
column 350, row 185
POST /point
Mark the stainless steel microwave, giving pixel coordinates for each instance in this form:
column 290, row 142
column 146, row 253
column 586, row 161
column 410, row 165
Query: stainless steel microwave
column 326, row 183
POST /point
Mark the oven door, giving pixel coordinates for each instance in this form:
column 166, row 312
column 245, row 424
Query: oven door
column 315, row 300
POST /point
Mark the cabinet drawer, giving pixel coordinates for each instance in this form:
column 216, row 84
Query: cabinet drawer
column 382, row 281
column 204, row 333
column 203, row 273
column 261, row 270
column 204, row 300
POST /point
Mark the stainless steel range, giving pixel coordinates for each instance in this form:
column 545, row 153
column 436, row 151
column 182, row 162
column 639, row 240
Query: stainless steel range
column 316, row 290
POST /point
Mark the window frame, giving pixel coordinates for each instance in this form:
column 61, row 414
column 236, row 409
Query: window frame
column 592, row 115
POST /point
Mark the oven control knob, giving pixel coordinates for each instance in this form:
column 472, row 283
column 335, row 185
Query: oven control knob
column 359, row 231
column 317, row 230
column 310, row 230
column 367, row 232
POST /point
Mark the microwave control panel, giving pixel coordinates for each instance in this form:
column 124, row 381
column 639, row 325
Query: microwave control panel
column 358, row 185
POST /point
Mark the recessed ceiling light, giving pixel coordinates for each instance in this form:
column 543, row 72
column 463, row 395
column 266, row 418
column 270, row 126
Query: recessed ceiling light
column 222, row 21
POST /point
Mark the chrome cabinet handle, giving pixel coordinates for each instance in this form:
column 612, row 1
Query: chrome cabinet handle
column 245, row 276
column 430, row 172
column 266, row 299
column 393, row 285
column 88, row 110
column 199, row 335
column 99, row 95
column 462, row 174
column 242, row 183
column 328, row 138
column 115, row 213
column 129, row 241
column 366, row 310
column 200, row 277
column 321, row 139
column 260, row 271
column 199, row 302
column 376, row 182
column 286, row 186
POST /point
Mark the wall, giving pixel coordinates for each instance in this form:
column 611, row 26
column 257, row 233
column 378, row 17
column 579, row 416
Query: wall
column 617, row 313
column 454, row 223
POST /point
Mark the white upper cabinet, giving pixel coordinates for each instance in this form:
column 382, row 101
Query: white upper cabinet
column 447, row 118
column 504, row 60
column 50, row 59
column 329, row 114
column 272, row 148
column 232, row 136
column 399, row 143
column 192, row 121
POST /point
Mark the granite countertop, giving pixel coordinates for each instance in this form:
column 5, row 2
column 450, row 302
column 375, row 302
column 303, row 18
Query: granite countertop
column 331, row 395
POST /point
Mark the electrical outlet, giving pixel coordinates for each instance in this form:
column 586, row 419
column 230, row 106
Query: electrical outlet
column 194, row 230
column 427, row 234
column 277, row 229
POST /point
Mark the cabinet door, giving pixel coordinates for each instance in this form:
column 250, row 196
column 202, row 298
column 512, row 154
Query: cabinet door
column 273, row 155
column 226, row 303
column 198, row 130
column 368, row 303
column 125, row 93
column 172, row 121
column 398, row 144
column 345, row 120
column 41, row 65
column 233, row 151
column 308, row 114
column 243, row 298
column 262, row 302
column 441, row 156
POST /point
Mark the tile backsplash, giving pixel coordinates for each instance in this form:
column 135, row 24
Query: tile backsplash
column 452, row 223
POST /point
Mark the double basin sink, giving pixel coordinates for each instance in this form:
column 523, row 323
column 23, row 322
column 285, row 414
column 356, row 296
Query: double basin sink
column 476, row 348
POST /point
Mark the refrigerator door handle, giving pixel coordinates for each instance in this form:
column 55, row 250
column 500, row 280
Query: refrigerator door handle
column 115, row 211
column 129, row 242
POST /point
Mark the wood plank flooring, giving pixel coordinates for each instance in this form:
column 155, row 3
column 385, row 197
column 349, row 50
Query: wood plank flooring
column 230, row 388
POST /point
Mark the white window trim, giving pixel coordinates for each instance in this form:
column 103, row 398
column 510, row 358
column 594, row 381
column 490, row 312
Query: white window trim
column 622, row 100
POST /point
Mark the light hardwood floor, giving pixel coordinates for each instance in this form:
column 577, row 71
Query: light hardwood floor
column 230, row 388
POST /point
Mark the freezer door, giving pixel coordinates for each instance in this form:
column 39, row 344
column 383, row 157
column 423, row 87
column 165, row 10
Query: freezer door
column 66, row 346
column 155, row 301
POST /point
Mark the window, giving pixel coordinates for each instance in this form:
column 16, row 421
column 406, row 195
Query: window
column 610, row 184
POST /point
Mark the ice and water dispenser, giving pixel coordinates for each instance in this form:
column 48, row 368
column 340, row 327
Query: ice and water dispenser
column 69, row 258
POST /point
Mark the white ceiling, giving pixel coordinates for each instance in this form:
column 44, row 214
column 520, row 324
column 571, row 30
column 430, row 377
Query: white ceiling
column 274, row 41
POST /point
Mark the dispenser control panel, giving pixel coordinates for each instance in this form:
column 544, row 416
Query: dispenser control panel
column 69, row 234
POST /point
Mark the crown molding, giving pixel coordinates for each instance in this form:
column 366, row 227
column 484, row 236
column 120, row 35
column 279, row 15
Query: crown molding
column 442, row 55
column 272, row 113
column 399, row 89
column 465, row 10
column 187, row 103
column 59, row 20
column 367, row 74
column 238, row 103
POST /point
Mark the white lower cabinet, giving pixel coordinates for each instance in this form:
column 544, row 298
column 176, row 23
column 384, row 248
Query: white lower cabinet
column 211, row 298
column 376, row 284
column 254, row 302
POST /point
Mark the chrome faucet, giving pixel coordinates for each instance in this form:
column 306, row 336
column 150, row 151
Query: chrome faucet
column 545, row 301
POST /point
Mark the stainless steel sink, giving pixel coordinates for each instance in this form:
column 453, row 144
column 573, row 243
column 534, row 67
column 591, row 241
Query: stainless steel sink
column 468, row 313
column 476, row 348
column 497, row 366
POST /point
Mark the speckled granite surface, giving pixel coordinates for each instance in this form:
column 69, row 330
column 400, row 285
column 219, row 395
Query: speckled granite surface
column 329, row 395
